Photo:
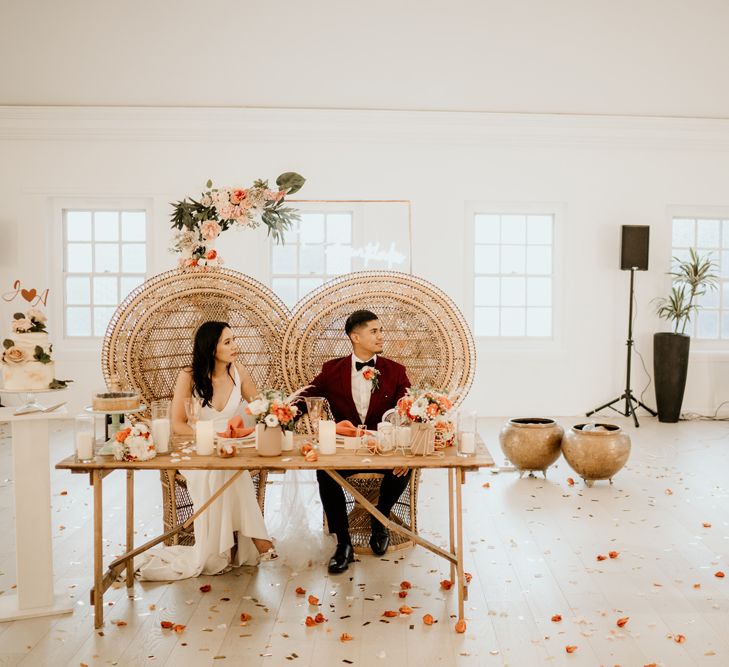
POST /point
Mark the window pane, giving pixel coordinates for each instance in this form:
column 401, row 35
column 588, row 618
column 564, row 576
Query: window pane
column 724, row 269
column 133, row 226
column 539, row 322
column 78, row 321
column 683, row 233
column 311, row 228
column 339, row 259
column 512, row 259
column 707, row 233
column 134, row 258
column 486, row 322
column 539, row 291
column 539, row 229
column 105, row 291
column 486, row 259
column 128, row 283
column 106, row 226
column 539, row 259
column 513, row 292
column 283, row 258
column 709, row 300
column 486, row 292
column 306, row 285
column 707, row 324
column 725, row 295
column 78, row 290
column 513, row 321
column 680, row 255
column 513, row 229
column 311, row 259
column 725, row 233
column 339, row 228
column 107, row 257
column 101, row 320
column 286, row 290
column 725, row 324
column 486, row 229
column 78, row 258
column 78, row 225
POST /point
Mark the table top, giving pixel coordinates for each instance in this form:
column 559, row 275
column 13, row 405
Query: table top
column 8, row 414
column 248, row 459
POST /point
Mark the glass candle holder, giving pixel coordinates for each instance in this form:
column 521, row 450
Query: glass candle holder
column 315, row 409
column 84, row 433
column 161, row 426
column 466, row 435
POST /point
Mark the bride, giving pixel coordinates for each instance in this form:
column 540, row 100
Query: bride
column 219, row 385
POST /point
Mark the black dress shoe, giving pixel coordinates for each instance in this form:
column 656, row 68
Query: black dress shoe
column 380, row 539
column 343, row 556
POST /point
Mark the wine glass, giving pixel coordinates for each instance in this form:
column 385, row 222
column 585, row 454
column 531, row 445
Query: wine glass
column 315, row 408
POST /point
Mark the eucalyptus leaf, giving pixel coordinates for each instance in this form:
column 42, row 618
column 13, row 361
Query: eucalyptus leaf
column 290, row 182
column 7, row 343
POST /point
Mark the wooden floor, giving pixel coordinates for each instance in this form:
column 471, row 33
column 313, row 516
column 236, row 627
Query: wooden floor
column 532, row 550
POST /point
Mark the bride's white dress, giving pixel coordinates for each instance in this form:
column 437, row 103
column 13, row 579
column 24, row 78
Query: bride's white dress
column 235, row 510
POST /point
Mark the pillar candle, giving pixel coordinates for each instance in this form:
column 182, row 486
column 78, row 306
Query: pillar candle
column 468, row 443
column 287, row 444
column 204, row 435
column 161, row 435
column 84, row 445
column 327, row 437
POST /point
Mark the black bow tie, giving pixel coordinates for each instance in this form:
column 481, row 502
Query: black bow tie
column 359, row 365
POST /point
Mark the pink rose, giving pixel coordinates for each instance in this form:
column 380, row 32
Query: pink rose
column 14, row 354
column 210, row 230
column 22, row 324
column 237, row 195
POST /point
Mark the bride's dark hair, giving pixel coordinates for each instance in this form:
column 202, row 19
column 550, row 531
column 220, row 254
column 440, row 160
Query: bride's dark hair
column 203, row 359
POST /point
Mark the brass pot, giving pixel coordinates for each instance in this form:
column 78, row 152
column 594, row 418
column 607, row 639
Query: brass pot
column 531, row 443
column 596, row 454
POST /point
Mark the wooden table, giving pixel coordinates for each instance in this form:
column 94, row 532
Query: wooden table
column 248, row 459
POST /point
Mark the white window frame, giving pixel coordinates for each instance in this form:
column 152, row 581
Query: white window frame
column 557, row 211
column 85, row 344
column 702, row 346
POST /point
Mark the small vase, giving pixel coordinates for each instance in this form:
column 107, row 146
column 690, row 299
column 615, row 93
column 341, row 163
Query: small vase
column 422, row 438
column 268, row 440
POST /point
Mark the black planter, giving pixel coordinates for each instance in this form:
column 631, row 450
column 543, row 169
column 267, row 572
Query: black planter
column 670, row 366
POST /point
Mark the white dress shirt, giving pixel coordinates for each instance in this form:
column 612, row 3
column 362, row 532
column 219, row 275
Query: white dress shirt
column 361, row 389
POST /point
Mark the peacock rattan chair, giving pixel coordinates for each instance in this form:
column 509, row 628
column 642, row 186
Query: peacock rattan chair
column 149, row 340
column 425, row 331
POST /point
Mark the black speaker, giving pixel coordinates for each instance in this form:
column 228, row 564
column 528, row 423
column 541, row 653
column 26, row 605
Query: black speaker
column 634, row 247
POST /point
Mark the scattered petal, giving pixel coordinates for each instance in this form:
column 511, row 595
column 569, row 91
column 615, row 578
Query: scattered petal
column 178, row 628
column 345, row 637
column 613, row 554
column 706, row 524
column 446, row 584
column 557, row 618
column 570, row 648
column 205, row 588
column 669, row 492
column 719, row 574
column 601, row 557
column 406, row 610
column 320, row 618
column 245, row 617
column 310, row 622
column 167, row 625
column 313, row 600
column 679, row 639
column 467, row 576
column 300, row 591
column 487, row 485
column 460, row 626
column 428, row 619
column 622, row 621
column 402, row 594
column 405, row 585
column 389, row 613
column 570, row 481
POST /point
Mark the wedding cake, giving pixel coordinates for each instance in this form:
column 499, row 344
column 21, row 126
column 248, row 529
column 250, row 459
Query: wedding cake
column 26, row 359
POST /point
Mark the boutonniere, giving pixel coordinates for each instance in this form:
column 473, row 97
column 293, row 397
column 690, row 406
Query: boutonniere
column 372, row 375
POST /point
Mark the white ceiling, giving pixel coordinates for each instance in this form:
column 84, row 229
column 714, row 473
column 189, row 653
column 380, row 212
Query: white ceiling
column 634, row 57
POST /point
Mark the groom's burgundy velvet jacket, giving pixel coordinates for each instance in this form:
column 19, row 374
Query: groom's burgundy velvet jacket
column 335, row 384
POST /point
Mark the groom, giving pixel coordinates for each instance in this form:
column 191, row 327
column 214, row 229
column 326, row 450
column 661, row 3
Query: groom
column 360, row 388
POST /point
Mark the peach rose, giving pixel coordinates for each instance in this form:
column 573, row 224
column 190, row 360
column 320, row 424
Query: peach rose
column 22, row 324
column 15, row 355
column 210, row 230
column 238, row 195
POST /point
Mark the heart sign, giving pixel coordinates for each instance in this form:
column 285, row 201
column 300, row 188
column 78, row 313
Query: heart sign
column 28, row 294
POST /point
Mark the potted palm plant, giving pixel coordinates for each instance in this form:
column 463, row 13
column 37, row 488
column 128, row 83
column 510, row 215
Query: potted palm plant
column 692, row 278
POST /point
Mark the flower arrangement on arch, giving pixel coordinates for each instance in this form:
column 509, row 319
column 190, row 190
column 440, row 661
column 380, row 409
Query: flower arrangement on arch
column 424, row 404
column 134, row 444
column 200, row 222
column 274, row 408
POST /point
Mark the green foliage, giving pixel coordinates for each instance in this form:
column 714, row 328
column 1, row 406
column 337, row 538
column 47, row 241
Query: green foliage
column 692, row 278
column 40, row 355
column 7, row 343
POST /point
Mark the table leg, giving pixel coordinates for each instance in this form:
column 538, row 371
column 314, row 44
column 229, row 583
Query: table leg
column 98, row 592
column 451, row 475
column 130, row 527
column 461, row 582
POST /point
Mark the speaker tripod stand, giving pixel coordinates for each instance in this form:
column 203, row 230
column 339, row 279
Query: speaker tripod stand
column 631, row 402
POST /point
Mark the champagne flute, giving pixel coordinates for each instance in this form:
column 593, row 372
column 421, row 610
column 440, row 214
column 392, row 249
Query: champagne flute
column 315, row 407
column 192, row 412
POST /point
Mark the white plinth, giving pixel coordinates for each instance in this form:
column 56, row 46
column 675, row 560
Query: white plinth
column 35, row 595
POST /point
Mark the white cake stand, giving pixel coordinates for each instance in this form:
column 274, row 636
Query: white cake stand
column 31, row 402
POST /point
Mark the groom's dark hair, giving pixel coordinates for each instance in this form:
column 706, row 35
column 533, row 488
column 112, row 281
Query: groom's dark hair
column 357, row 319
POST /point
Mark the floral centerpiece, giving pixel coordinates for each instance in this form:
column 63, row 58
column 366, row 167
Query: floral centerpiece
column 425, row 405
column 133, row 444
column 274, row 408
column 200, row 222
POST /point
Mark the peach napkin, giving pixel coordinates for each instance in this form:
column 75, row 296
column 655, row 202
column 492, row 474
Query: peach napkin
column 236, row 429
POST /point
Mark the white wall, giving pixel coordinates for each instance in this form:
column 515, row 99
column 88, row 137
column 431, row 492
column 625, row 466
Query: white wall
column 601, row 172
